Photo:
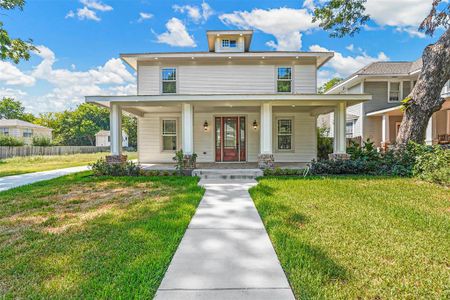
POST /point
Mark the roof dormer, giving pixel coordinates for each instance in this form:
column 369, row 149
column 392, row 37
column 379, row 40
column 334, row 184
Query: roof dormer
column 229, row 40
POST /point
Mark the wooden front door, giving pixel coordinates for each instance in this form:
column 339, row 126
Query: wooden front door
column 230, row 139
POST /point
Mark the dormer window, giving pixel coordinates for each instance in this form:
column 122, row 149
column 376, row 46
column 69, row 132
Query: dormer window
column 229, row 44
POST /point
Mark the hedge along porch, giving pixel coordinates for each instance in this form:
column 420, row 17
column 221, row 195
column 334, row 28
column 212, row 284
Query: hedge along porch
column 228, row 128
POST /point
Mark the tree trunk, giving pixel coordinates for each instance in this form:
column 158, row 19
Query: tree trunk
column 425, row 98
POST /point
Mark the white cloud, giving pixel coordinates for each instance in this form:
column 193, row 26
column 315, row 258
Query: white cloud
column 97, row 5
column 86, row 13
column 350, row 47
column 70, row 14
column 144, row 16
column 285, row 24
column 11, row 75
column 13, row 93
column 195, row 13
column 346, row 65
column 176, row 35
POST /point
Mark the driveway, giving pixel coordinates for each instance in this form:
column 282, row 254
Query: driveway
column 10, row 182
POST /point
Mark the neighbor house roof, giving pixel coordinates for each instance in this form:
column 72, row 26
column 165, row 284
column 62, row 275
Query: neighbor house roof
column 383, row 68
column 20, row 123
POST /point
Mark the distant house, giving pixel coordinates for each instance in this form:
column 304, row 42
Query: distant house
column 23, row 130
column 379, row 120
column 103, row 139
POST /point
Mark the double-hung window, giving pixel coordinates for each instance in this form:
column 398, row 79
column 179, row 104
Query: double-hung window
column 169, row 80
column 27, row 132
column 169, row 135
column 349, row 129
column 4, row 131
column 284, row 134
column 395, row 91
column 284, row 80
column 229, row 43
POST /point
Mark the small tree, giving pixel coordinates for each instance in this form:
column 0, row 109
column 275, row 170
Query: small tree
column 329, row 84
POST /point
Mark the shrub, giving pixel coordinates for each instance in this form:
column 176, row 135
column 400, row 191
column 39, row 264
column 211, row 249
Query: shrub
column 6, row 140
column 102, row 168
column 432, row 164
column 324, row 143
column 41, row 141
column 184, row 162
column 284, row 172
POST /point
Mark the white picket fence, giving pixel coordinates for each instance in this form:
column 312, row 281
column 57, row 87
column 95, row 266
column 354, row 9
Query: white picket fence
column 6, row 151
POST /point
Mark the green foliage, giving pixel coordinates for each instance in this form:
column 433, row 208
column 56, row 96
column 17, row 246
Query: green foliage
column 341, row 17
column 129, row 125
column 6, row 140
column 13, row 49
column 11, row 109
column 367, row 152
column 324, row 143
column 432, row 164
column 329, row 84
column 42, row 141
column 103, row 168
column 184, row 162
column 284, row 172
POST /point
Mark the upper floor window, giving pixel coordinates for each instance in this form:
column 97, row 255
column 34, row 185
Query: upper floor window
column 395, row 91
column 169, row 135
column 27, row 132
column 169, row 80
column 284, row 134
column 4, row 131
column 284, row 80
column 229, row 44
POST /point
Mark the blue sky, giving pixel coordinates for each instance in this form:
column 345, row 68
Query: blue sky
column 80, row 40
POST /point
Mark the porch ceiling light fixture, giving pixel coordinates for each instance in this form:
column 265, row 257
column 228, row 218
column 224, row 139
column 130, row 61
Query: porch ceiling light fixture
column 255, row 125
column 205, row 126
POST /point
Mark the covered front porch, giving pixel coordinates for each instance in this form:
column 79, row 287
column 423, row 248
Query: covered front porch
column 229, row 130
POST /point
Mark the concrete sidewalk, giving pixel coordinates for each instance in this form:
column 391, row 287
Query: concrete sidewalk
column 225, row 252
column 10, row 182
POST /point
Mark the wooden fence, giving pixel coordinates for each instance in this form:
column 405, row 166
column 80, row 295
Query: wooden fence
column 6, row 151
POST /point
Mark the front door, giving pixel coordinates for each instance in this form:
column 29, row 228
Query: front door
column 230, row 139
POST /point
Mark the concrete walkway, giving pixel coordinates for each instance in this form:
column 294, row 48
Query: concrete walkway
column 226, row 252
column 10, row 182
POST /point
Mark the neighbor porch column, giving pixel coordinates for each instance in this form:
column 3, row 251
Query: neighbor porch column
column 187, row 128
column 265, row 158
column 429, row 132
column 340, row 145
column 115, row 119
column 385, row 129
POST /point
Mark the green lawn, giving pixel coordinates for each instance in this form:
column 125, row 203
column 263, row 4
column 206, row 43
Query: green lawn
column 21, row 165
column 359, row 238
column 87, row 238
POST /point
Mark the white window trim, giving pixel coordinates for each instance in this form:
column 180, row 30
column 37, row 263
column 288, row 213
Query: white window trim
column 161, row 80
column 4, row 131
column 276, row 79
column 222, row 43
column 353, row 128
column 177, row 135
column 292, row 119
column 400, row 97
column 27, row 130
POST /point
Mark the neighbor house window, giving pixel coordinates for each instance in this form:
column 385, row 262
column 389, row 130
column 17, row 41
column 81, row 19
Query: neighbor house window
column 284, row 80
column 169, row 135
column 394, row 91
column 284, row 134
column 169, row 80
column 349, row 129
column 27, row 132
column 4, row 131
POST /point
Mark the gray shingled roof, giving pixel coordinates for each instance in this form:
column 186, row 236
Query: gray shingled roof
column 19, row 123
column 390, row 68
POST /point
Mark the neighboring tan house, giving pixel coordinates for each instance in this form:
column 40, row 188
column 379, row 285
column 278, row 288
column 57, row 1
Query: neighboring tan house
column 23, row 130
column 227, row 104
column 379, row 119
column 103, row 139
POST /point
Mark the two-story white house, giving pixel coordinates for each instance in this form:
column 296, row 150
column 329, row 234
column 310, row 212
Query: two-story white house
column 228, row 104
column 379, row 119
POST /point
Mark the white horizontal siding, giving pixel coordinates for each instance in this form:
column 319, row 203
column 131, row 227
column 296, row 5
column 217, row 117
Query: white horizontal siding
column 357, row 111
column 148, row 80
column 305, row 81
column 226, row 79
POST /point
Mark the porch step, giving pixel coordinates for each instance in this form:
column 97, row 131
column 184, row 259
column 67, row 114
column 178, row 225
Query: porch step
column 227, row 173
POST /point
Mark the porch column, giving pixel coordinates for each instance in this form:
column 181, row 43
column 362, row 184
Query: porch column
column 265, row 158
column 429, row 132
column 340, row 145
column 266, row 129
column 187, row 128
column 115, row 126
column 385, row 138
